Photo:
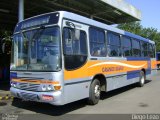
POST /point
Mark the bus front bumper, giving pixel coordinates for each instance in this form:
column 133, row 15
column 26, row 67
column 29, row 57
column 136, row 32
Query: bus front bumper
column 54, row 97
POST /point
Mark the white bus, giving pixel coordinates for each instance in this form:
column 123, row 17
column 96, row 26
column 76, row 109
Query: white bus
column 61, row 57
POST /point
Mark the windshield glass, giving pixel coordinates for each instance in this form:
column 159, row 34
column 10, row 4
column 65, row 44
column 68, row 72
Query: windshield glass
column 37, row 50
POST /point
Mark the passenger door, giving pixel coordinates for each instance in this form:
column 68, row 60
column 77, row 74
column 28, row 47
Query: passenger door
column 75, row 50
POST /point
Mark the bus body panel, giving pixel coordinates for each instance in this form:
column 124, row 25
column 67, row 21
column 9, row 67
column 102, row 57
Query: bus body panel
column 118, row 71
column 29, row 85
column 153, row 66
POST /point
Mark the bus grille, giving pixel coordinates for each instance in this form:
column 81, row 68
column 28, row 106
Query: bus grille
column 29, row 96
column 28, row 86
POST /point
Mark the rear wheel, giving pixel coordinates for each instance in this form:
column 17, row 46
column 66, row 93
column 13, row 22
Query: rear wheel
column 94, row 93
column 142, row 79
column 158, row 66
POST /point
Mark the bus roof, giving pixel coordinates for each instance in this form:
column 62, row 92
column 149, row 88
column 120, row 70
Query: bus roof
column 91, row 22
column 88, row 21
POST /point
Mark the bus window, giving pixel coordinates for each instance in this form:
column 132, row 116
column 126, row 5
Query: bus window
column 74, row 48
column 136, row 48
column 154, row 51
column 97, row 42
column 114, row 48
column 144, row 47
column 30, row 47
column 68, row 41
column 151, row 51
column 126, row 46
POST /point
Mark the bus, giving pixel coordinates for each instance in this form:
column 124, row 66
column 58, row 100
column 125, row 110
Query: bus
column 158, row 59
column 61, row 57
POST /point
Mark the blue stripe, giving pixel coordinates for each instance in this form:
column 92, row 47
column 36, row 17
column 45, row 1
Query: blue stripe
column 148, row 71
column 138, row 59
column 137, row 37
column 133, row 74
column 13, row 75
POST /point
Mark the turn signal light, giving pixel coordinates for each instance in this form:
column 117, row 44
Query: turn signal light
column 57, row 87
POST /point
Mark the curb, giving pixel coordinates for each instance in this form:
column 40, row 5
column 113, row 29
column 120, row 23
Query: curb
column 7, row 97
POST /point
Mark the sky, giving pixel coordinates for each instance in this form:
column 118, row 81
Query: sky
column 150, row 10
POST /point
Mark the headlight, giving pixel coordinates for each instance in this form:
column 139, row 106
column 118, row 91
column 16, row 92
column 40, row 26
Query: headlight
column 44, row 88
column 13, row 84
column 50, row 87
column 47, row 87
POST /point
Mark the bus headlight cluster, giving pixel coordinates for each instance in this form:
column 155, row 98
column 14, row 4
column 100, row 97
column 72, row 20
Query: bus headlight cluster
column 13, row 84
column 50, row 87
column 47, row 87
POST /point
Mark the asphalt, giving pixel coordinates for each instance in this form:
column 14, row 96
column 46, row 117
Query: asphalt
column 4, row 91
column 119, row 104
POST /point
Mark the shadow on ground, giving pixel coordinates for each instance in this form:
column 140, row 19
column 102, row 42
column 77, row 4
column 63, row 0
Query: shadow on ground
column 48, row 109
column 120, row 90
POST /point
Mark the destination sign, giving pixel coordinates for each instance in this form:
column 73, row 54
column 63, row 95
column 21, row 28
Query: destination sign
column 46, row 19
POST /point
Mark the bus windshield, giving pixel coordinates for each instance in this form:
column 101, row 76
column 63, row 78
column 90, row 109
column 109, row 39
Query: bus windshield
column 37, row 50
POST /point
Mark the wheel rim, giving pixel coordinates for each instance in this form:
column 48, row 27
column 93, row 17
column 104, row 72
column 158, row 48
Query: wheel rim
column 142, row 79
column 97, row 91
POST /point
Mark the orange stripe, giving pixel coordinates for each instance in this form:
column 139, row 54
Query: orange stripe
column 85, row 71
column 158, row 62
column 153, row 64
column 88, row 71
column 35, row 81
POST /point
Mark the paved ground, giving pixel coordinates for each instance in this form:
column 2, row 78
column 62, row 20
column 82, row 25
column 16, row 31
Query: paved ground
column 127, row 100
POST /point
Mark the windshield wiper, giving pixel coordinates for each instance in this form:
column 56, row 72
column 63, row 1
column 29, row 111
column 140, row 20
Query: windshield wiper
column 35, row 36
column 23, row 35
column 38, row 33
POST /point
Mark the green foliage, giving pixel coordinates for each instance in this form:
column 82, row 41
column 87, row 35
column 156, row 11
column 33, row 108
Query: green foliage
column 5, row 39
column 5, row 33
column 137, row 28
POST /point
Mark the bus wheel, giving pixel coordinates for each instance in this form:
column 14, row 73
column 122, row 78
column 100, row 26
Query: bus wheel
column 142, row 79
column 158, row 66
column 94, row 93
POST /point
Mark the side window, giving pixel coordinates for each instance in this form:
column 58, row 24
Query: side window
column 67, row 40
column 136, row 48
column 74, row 48
column 114, row 48
column 74, row 42
column 154, row 51
column 151, row 51
column 144, row 48
column 97, row 42
column 126, row 46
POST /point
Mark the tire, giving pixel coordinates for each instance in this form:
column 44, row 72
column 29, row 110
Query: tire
column 142, row 79
column 17, row 99
column 94, row 92
column 158, row 66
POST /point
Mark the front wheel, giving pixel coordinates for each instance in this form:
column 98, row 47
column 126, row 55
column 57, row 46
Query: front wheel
column 94, row 93
column 142, row 79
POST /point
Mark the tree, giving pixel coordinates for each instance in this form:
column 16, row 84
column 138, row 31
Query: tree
column 133, row 27
column 137, row 28
column 5, row 33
